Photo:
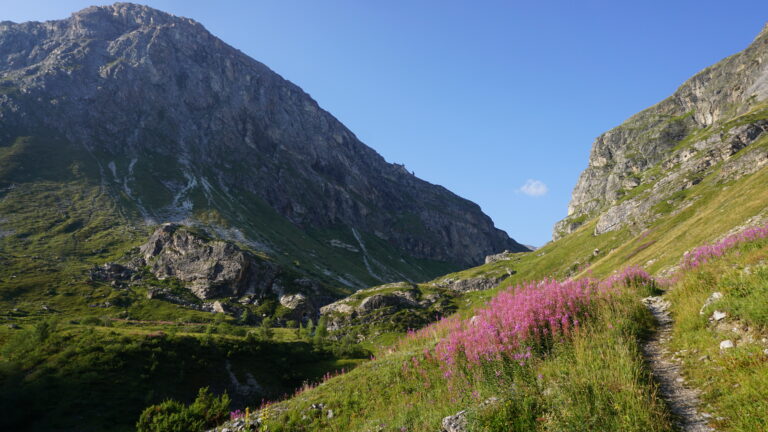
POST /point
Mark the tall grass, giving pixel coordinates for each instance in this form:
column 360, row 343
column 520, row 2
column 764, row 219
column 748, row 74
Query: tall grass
column 734, row 382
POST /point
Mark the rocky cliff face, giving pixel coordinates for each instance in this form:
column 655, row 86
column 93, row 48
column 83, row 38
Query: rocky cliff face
column 666, row 148
column 182, row 127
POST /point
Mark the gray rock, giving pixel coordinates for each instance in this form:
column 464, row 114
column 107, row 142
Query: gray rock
column 715, row 296
column 111, row 272
column 503, row 256
column 300, row 305
column 471, row 284
column 211, row 268
column 340, row 307
column 293, row 301
column 717, row 316
column 726, row 344
column 455, row 423
column 397, row 299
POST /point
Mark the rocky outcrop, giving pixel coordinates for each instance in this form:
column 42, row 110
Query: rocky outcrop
column 179, row 125
column 710, row 118
column 111, row 272
column 396, row 300
column 455, row 423
column 301, row 306
column 479, row 283
column 210, row 268
column 503, row 256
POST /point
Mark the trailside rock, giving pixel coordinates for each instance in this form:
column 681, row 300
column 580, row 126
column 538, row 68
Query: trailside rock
column 715, row 296
column 455, row 423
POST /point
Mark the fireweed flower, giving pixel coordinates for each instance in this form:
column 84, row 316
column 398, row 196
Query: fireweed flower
column 702, row 254
column 526, row 318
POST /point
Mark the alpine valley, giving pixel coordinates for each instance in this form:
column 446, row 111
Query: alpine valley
column 188, row 242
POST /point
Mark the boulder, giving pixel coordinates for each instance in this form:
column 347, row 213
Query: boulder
column 471, row 284
column 111, row 272
column 396, row 299
column 715, row 296
column 341, row 307
column 455, row 423
column 726, row 344
column 210, row 268
column 300, row 305
column 717, row 316
column 506, row 255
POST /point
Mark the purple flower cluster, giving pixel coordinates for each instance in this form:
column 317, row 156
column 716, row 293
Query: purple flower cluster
column 702, row 254
column 629, row 276
column 234, row 415
column 517, row 319
column 525, row 318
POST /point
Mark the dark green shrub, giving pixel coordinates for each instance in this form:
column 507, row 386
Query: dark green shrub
column 205, row 412
column 91, row 321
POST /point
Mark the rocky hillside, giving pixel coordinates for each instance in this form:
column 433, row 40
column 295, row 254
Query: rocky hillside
column 166, row 123
column 643, row 167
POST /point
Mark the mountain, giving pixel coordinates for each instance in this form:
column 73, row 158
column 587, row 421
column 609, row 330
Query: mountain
column 643, row 167
column 128, row 117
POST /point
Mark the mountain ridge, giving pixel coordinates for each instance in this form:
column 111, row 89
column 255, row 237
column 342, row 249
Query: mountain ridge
column 183, row 127
column 676, row 129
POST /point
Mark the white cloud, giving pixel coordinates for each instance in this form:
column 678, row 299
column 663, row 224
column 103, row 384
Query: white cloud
column 534, row 188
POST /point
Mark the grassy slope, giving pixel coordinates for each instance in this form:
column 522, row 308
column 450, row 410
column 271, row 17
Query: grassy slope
column 734, row 382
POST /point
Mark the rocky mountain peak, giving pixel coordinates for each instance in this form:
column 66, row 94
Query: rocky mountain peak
column 763, row 33
column 181, row 127
column 683, row 136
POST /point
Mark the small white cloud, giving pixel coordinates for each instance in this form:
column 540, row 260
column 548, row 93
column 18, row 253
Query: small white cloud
column 534, row 188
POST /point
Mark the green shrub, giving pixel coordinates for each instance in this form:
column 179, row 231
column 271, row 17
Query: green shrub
column 205, row 412
column 91, row 321
column 265, row 329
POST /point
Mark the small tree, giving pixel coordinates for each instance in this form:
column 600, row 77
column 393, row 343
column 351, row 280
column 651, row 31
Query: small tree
column 44, row 329
column 299, row 330
column 265, row 329
column 205, row 412
column 321, row 331
column 309, row 330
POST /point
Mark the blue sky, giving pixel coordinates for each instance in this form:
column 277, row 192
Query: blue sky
column 499, row 101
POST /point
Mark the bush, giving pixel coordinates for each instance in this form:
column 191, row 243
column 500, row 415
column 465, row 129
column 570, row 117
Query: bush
column 348, row 347
column 265, row 330
column 91, row 321
column 206, row 411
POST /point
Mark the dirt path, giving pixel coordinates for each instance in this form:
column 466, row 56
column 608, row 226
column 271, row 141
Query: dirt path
column 681, row 400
